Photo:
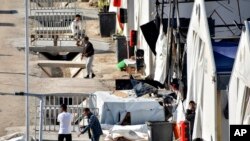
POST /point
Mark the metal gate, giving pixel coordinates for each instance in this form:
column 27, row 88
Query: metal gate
column 51, row 109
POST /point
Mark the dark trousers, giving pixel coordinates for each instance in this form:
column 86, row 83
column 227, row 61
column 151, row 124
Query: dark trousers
column 61, row 137
column 95, row 138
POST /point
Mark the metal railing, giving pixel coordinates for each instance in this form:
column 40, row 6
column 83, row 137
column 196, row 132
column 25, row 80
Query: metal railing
column 51, row 109
column 52, row 4
column 55, row 26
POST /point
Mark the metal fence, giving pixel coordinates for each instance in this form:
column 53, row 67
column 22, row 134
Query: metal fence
column 55, row 25
column 51, row 109
column 52, row 4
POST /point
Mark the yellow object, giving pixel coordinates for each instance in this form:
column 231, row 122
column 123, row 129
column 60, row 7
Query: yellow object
column 102, row 3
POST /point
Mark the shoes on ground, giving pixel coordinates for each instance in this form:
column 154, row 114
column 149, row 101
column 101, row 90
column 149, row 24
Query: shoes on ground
column 86, row 77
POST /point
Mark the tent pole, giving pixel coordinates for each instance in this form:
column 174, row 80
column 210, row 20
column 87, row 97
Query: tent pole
column 169, row 42
column 162, row 11
column 178, row 40
column 238, row 3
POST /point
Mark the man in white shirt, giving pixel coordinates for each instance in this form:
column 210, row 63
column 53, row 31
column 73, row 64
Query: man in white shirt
column 65, row 119
column 76, row 28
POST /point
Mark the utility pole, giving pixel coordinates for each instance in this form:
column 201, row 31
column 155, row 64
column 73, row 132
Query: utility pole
column 27, row 123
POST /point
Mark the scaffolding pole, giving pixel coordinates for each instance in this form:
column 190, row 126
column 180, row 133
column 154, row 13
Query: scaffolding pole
column 26, row 2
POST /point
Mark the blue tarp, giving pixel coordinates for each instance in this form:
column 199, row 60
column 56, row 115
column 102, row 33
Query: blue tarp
column 224, row 55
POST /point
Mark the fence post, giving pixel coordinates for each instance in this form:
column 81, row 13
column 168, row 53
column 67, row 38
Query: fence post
column 41, row 119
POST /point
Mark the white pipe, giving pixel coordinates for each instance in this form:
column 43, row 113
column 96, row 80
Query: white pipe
column 41, row 120
column 26, row 2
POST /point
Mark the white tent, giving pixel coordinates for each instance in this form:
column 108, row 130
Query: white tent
column 201, row 73
column 143, row 15
column 113, row 109
column 239, row 88
column 209, row 67
column 139, row 13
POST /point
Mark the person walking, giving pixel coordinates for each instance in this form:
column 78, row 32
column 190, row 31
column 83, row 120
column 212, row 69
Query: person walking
column 93, row 124
column 88, row 51
column 65, row 119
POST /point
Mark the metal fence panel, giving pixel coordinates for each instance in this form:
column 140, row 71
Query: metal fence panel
column 55, row 25
column 51, row 110
column 52, row 4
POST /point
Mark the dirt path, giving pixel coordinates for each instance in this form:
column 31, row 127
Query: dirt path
column 11, row 68
column 12, row 71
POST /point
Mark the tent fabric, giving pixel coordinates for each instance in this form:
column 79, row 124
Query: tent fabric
column 179, row 114
column 239, row 87
column 224, row 55
column 111, row 108
column 201, row 74
column 161, row 63
column 142, row 15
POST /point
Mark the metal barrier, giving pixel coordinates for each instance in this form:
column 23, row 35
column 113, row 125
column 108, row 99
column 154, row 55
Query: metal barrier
column 55, row 26
column 52, row 4
column 51, row 109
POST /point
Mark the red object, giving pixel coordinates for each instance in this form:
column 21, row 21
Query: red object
column 120, row 24
column 117, row 3
column 184, row 131
column 133, row 38
column 176, row 129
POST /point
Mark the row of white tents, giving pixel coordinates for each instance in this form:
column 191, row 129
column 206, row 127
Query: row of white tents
column 239, row 88
column 140, row 12
column 207, row 66
column 204, row 73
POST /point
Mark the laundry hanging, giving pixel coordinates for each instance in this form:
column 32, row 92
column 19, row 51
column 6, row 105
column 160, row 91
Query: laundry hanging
column 161, row 57
column 150, row 33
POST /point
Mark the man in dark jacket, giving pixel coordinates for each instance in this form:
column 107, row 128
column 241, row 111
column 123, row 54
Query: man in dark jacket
column 93, row 124
column 88, row 51
column 190, row 115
